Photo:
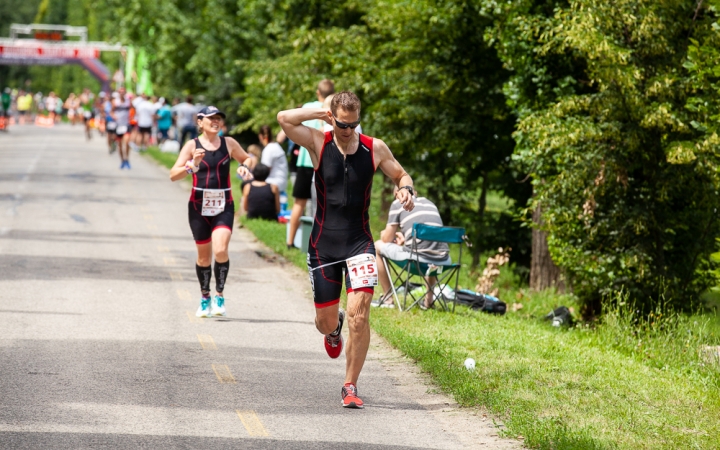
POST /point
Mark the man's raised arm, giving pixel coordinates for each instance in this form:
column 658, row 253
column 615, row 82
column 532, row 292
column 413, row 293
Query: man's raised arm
column 291, row 122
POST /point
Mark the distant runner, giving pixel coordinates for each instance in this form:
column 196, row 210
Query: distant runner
column 120, row 113
column 344, row 164
column 211, row 209
column 110, row 124
column 87, row 101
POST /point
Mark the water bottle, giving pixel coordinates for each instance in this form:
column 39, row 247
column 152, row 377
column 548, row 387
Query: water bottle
column 283, row 202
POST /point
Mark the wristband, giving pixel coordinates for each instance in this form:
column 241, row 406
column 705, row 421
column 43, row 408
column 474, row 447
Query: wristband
column 410, row 189
column 190, row 167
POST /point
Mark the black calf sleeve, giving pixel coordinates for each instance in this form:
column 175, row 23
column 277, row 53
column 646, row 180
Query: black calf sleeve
column 204, row 274
column 221, row 271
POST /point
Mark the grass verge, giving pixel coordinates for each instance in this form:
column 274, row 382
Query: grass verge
column 626, row 383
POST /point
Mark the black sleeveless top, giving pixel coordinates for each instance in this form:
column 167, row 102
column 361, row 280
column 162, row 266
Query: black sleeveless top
column 343, row 184
column 261, row 203
column 214, row 172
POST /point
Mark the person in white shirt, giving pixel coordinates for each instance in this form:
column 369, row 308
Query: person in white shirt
column 185, row 114
column 145, row 115
column 274, row 157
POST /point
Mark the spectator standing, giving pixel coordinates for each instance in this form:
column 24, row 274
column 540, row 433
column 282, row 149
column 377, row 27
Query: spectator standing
column 302, row 190
column 51, row 102
column 396, row 243
column 164, row 120
column 185, row 116
column 77, row 111
column 70, row 108
column 39, row 103
column 24, row 102
column 260, row 199
column 145, row 113
column 58, row 109
column 6, row 102
column 274, row 157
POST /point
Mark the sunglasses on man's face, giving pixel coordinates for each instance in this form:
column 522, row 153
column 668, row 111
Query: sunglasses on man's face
column 345, row 126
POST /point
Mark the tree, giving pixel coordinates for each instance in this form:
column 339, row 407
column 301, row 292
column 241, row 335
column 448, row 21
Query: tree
column 604, row 132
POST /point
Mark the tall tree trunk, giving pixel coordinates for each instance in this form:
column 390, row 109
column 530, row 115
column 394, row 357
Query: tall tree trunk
column 543, row 271
column 482, row 205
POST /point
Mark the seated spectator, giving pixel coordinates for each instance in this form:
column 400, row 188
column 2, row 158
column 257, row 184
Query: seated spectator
column 274, row 157
column 397, row 245
column 260, row 199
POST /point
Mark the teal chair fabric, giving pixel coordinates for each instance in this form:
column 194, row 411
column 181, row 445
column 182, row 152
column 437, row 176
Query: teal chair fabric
column 408, row 278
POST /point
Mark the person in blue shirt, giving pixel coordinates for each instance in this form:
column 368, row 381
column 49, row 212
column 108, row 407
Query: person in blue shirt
column 164, row 120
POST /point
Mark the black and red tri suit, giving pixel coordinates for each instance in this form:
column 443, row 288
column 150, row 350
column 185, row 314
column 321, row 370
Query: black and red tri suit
column 342, row 223
column 214, row 173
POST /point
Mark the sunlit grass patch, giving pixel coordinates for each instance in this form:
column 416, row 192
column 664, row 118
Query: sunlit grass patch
column 558, row 388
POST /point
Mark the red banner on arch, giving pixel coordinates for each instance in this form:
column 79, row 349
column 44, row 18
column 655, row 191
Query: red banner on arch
column 40, row 52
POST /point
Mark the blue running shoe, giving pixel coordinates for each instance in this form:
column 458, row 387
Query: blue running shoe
column 204, row 308
column 217, row 306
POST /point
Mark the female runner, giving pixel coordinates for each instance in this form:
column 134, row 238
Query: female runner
column 211, row 209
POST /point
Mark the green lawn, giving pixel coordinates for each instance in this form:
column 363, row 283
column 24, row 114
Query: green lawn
column 627, row 383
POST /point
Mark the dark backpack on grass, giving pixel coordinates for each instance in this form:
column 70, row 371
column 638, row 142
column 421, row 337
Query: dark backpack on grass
column 482, row 302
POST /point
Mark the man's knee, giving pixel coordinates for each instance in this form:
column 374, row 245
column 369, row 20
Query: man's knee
column 326, row 323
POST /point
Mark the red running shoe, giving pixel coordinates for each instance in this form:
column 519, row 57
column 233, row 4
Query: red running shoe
column 334, row 344
column 350, row 398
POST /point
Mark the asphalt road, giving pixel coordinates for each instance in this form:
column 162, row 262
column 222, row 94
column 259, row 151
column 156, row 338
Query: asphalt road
column 99, row 346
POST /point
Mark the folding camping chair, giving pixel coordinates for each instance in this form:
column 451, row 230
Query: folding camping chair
column 408, row 294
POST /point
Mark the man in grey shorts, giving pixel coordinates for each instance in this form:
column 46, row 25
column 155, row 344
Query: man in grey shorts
column 396, row 243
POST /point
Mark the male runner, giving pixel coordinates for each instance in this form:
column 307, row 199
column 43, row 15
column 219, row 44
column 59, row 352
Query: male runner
column 110, row 124
column 120, row 113
column 87, row 99
column 344, row 164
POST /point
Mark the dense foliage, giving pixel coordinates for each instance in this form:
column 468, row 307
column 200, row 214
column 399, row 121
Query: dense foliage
column 612, row 134
column 605, row 112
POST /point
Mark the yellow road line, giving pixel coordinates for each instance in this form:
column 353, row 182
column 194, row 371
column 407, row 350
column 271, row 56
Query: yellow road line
column 151, row 226
column 252, row 423
column 169, row 261
column 193, row 318
column 157, row 237
column 183, row 294
column 148, row 217
column 222, row 372
column 176, row 276
column 163, row 249
column 207, row 342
